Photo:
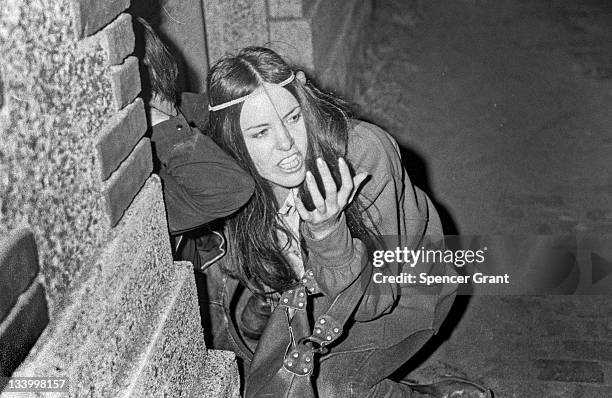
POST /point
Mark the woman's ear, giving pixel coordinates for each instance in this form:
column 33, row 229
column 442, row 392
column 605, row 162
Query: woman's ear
column 301, row 76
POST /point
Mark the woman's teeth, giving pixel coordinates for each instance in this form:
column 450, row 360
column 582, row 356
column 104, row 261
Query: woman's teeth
column 290, row 163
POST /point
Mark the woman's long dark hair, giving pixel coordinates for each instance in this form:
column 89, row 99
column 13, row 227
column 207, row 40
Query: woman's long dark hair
column 255, row 255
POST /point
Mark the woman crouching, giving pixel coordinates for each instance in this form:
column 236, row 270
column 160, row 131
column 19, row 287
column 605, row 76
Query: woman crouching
column 328, row 189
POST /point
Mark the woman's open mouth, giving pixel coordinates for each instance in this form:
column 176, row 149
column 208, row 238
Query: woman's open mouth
column 291, row 163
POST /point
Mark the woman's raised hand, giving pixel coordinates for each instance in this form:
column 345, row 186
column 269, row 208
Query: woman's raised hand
column 323, row 219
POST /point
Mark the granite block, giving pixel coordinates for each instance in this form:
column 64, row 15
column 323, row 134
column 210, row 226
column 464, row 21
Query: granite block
column 57, row 102
column 177, row 359
column 285, row 8
column 124, row 184
column 125, row 80
column 91, row 15
column 99, row 339
column 21, row 328
column 293, row 41
column 233, row 24
column 118, row 39
column 221, row 374
column 18, row 266
column 120, row 136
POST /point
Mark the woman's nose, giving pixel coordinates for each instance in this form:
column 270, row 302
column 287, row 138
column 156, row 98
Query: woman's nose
column 284, row 139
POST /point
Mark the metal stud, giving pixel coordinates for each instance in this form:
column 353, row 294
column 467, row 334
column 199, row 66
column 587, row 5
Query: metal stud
column 322, row 321
column 328, row 337
column 318, row 331
column 336, row 330
column 307, row 359
column 301, row 294
column 300, row 304
column 289, row 363
column 295, row 355
column 290, row 292
column 305, row 370
column 285, row 300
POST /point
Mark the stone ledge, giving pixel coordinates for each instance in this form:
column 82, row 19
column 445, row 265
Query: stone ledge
column 173, row 363
column 18, row 266
column 120, row 136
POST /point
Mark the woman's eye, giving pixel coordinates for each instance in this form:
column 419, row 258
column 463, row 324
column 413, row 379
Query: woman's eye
column 260, row 134
column 295, row 117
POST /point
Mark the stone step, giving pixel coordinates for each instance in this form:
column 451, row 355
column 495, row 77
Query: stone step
column 177, row 363
column 132, row 307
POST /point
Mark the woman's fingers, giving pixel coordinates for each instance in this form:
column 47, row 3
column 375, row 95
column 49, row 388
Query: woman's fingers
column 317, row 199
column 299, row 205
column 328, row 183
column 347, row 183
column 357, row 181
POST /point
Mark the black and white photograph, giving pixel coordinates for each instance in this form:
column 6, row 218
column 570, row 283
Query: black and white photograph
column 306, row 198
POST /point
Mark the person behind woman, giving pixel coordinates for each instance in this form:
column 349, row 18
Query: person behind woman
column 201, row 183
column 327, row 188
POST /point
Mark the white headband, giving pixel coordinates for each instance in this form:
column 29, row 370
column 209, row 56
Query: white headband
column 224, row 105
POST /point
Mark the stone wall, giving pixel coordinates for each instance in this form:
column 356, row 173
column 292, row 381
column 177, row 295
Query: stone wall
column 89, row 290
column 323, row 37
column 49, row 180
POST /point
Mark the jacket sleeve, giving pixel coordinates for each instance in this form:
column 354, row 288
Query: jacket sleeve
column 396, row 209
column 338, row 259
column 201, row 184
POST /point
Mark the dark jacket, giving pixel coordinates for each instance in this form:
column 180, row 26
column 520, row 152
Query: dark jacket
column 201, row 183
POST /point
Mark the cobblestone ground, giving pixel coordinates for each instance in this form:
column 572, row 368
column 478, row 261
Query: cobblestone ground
column 504, row 109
